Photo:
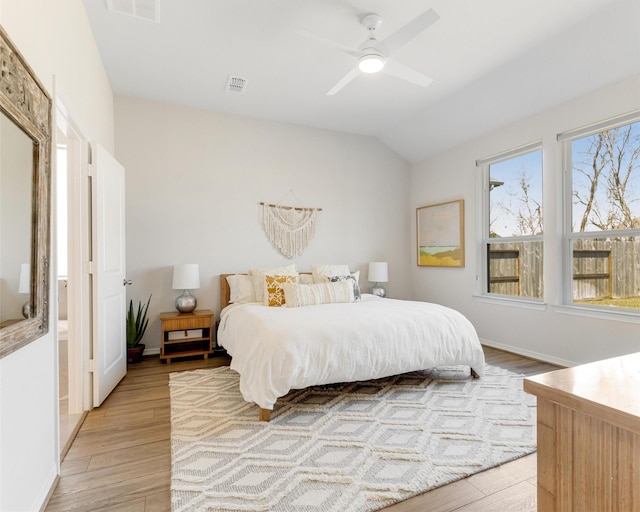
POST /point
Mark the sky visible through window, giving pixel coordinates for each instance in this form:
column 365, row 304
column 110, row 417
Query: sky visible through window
column 515, row 197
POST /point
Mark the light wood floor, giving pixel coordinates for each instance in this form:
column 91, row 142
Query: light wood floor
column 121, row 459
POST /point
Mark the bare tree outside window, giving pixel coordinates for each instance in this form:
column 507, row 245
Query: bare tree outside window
column 516, row 203
column 606, row 209
column 606, row 180
column 514, row 264
column 603, row 219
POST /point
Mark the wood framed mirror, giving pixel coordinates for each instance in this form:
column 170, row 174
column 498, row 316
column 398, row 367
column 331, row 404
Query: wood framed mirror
column 25, row 191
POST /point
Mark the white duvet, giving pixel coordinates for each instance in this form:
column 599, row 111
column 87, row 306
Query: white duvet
column 277, row 349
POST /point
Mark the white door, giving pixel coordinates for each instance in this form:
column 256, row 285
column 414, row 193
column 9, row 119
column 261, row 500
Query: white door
column 109, row 274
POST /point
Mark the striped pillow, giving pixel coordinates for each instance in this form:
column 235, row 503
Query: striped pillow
column 297, row 295
column 351, row 278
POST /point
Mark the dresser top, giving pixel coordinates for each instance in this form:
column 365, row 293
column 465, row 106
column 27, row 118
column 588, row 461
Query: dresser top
column 610, row 387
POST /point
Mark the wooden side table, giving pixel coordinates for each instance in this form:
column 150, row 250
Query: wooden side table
column 186, row 334
column 12, row 321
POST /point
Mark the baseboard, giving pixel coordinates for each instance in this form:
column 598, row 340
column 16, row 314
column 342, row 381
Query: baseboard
column 528, row 353
column 49, row 494
column 73, row 435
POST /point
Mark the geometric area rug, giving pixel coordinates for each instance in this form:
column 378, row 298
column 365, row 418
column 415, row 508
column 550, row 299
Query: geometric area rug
column 348, row 447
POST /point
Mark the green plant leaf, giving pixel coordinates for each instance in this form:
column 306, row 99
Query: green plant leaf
column 137, row 322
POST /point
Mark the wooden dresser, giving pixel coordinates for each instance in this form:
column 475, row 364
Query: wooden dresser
column 589, row 436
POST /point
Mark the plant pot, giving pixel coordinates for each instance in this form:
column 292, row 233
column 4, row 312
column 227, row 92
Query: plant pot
column 134, row 354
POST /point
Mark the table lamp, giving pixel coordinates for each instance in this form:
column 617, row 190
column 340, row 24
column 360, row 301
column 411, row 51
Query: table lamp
column 378, row 273
column 186, row 277
column 24, row 286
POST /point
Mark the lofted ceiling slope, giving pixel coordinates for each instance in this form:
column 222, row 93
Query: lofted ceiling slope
column 492, row 62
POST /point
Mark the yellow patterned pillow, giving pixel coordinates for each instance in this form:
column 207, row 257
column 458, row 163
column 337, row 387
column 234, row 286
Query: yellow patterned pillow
column 273, row 291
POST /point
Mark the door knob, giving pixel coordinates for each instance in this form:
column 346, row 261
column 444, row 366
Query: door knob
column 125, row 282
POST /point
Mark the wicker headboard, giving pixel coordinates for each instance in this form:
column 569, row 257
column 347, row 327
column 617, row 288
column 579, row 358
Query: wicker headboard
column 225, row 292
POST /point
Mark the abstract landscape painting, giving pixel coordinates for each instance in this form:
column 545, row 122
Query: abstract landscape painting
column 440, row 234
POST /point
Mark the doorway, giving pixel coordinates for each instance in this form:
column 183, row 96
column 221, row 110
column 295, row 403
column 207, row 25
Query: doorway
column 72, row 237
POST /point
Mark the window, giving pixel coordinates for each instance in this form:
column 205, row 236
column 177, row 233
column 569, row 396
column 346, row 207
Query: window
column 512, row 225
column 602, row 171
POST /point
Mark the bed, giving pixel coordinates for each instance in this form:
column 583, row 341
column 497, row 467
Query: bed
column 278, row 349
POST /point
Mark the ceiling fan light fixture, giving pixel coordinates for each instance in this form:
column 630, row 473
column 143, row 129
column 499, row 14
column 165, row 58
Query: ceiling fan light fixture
column 371, row 63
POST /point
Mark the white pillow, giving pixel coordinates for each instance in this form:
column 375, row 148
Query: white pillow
column 285, row 270
column 305, row 278
column 322, row 272
column 354, row 279
column 259, row 273
column 297, row 295
column 241, row 289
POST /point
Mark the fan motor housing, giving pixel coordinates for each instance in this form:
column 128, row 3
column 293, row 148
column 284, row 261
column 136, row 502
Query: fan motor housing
column 371, row 21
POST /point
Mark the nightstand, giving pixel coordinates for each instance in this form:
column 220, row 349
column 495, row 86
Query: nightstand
column 186, row 334
column 12, row 321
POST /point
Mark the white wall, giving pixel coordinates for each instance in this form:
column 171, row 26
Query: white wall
column 194, row 180
column 548, row 334
column 56, row 40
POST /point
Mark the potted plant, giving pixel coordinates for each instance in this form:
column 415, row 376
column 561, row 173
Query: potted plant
column 136, row 326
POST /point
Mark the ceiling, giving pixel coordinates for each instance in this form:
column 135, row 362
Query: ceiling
column 492, row 61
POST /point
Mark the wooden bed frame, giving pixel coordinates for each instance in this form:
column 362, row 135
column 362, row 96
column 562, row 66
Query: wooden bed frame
column 225, row 291
column 225, row 295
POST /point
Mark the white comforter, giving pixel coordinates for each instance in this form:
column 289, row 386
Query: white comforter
column 276, row 350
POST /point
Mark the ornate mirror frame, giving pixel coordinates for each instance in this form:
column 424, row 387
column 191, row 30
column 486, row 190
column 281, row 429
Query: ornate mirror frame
column 25, row 101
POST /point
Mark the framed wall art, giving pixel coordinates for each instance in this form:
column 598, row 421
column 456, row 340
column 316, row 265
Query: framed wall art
column 440, row 234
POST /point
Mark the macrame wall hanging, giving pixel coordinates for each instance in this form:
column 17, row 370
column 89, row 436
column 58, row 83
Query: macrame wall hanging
column 289, row 228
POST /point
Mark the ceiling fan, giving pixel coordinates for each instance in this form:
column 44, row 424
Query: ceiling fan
column 374, row 56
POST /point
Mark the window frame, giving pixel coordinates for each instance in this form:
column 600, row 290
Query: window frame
column 568, row 235
column 482, row 229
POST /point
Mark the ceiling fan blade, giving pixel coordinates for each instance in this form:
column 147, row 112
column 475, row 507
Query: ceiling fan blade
column 350, row 76
column 403, row 72
column 407, row 32
column 330, row 43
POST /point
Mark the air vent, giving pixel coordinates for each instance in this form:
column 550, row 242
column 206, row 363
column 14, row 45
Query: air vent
column 236, row 84
column 148, row 10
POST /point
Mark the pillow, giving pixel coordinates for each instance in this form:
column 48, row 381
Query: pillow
column 259, row 273
column 273, row 292
column 285, row 270
column 322, row 272
column 297, row 295
column 305, row 278
column 353, row 279
column 241, row 289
